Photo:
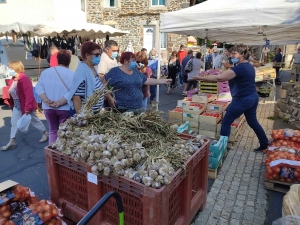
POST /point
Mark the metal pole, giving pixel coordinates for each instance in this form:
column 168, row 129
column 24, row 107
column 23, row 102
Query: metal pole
column 158, row 69
column 100, row 204
column 204, row 61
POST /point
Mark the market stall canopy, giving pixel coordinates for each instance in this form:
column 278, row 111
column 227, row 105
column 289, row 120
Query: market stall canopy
column 86, row 30
column 238, row 21
column 6, row 29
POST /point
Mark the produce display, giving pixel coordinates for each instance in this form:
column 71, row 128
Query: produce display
column 177, row 109
column 198, row 105
column 212, row 114
column 143, row 147
column 211, row 72
column 21, row 206
column 283, row 156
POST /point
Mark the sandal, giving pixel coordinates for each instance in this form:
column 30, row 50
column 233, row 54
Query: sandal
column 44, row 137
column 8, row 147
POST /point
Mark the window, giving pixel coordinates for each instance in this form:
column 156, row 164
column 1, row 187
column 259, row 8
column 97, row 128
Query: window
column 163, row 40
column 110, row 3
column 158, row 2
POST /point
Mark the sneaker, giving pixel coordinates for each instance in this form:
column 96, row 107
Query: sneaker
column 260, row 149
column 291, row 81
column 183, row 93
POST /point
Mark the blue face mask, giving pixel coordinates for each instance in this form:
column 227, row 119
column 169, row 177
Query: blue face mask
column 96, row 60
column 11, row 72
column 234, row 60
column 114, row 55
column 216, row 54
column 132, row 65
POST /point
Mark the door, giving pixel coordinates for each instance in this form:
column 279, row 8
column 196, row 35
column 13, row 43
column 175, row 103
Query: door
column 149, row 37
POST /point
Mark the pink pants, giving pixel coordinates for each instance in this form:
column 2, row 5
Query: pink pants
column 54, row 118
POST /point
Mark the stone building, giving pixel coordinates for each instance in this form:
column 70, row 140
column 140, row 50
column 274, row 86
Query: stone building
column 141, row 18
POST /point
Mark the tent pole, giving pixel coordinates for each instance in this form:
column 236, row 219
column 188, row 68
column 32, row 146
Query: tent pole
column 204, row 58
column 158, row 69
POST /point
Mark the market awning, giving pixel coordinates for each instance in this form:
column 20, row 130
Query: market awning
column 6, row 29
column 89, row 30
column 238, row 21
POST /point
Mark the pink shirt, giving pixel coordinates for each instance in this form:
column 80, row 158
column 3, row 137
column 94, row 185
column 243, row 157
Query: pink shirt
column 53, row 60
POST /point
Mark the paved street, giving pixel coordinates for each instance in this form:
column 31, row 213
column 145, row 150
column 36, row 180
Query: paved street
column 237, row 196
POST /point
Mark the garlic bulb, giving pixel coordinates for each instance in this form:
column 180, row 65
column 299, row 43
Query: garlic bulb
column 159, row 179
column 156, row 185
column 118, row 165
column 153, row 174
column 137, row 157
column 95, row 169
column 167, row 179
column 106, row 171
column 120, row 155
column 106, row 153
column 98, row 154
column 163, row 170
column 147, row 181
column 100, row 166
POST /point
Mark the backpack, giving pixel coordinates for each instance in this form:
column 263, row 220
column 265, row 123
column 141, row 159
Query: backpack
column 189, row 66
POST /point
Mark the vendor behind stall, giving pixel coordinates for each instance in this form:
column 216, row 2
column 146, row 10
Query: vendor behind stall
column 127, row 82
column 241, row 80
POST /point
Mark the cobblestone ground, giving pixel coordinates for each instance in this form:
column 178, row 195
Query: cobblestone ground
column 238, row 195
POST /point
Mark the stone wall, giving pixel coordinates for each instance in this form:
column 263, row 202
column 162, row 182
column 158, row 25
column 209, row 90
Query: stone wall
column 288, row 106
column 132, row 15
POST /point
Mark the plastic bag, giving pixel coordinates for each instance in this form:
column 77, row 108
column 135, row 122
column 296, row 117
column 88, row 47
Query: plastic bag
column 287, row 220
column 23, row 123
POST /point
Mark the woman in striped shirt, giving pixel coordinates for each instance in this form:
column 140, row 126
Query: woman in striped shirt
column 86, row 80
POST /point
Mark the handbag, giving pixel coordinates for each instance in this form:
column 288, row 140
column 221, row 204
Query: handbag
column 189, row 66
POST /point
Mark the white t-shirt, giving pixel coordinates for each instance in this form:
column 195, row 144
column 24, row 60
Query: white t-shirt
column 197, row 65
column 296, row 57
column 106, row 63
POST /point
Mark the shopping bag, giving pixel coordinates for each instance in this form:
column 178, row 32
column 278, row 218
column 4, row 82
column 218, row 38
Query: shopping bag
column 23, row 123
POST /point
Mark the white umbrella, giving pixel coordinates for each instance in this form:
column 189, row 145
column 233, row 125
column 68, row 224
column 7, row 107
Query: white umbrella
column 85, row 30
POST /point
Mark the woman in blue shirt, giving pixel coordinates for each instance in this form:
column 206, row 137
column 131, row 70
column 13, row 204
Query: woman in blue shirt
column 127, row 82
column 245, row 99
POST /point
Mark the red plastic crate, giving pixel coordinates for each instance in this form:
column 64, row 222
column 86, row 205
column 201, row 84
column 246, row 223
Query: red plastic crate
column 173, row 204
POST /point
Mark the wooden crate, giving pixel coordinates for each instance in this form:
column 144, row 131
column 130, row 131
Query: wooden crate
column 210, row 119
column 275, row 185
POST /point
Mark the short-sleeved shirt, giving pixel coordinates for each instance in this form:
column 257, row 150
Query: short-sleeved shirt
column 197, row 65
column 81, row 92
column 53, row 60
column 128, row 88
column 106, row 63
column 296, row 57
column 244, row 82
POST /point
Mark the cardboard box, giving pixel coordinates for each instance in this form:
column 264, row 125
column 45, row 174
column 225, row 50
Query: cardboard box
column 207, row 133
column 177, row 116
column 200, row 98
column 219, row 147
column 210, row 119
column 208, row 127
column 190, row 117
column 226, row 97
column 233, row 130
column 232, row 138
column 194, row 109
column 181, row 103
column 6, row 193
column 217, row 108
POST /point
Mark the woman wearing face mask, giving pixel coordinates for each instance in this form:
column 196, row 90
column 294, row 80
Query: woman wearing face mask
column 241, row 80
column 128, row 82
column 173, row 70
column 22, row 102
column 142, row 66
column 86, row 80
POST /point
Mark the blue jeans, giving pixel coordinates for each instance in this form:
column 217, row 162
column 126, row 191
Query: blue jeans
column 181, row 78
column 135, row 111
column 247, row 106
column 152, row 92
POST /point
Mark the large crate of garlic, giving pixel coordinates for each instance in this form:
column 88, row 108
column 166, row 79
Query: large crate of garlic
column 74, row 188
